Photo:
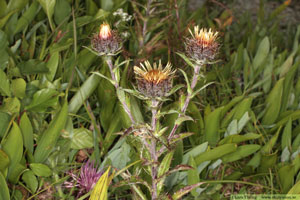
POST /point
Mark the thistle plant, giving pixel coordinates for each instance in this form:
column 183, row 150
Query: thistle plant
column 154, row 86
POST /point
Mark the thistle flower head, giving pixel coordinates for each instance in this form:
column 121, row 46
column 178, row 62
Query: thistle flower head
column 203, row 46
column 154, row 81
column 87, row 178
column 107, row 41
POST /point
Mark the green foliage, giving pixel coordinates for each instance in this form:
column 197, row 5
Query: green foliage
column 60, row 104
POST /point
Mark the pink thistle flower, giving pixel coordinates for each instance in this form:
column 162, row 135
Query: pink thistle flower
column 86, row 179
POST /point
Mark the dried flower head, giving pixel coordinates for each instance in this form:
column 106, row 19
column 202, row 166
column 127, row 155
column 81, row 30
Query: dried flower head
column 86, row 180
column 202, row 47
column 154, row 81
column 107, row 41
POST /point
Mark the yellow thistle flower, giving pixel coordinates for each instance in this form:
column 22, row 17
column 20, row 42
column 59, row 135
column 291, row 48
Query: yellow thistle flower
column 154, row 81
column 107, row 41
column 202, row 46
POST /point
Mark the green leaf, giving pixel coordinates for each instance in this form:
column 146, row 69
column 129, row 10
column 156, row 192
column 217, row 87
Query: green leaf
column 4, row 192
column 273, row 103
column 182, row 119
column 286, row 177
column 4, row 122
column 239, row 138
column 82, row 138
column 186, row 59
column 212, row 124
column 295, row 189
column 163, row 168
column 48, row 6
column 27, row 132
column 18, row 87
column 267, row 148
column 193, row 176
column 241, row 152
column 32, row 67
column 13, row 146
column 48, row 139
column 107, row 5
column 43, row 99
column 62, row 11
column 189, row 89
column 11, row 106
column 83, row 93
column 30, row 180
column 262, row 53
column 286, row 139
column 101, row 188
column 180, row 193
column 4, row 84
column 4, row 161
column 40, row 169
column 27, row 17
column 215, row 153
column 52, row 66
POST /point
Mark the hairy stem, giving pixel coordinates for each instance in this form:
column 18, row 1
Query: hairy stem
column 187, row 100
column 117, row 86
column 154, row 158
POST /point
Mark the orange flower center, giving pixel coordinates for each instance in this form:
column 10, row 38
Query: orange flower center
column 155, row 76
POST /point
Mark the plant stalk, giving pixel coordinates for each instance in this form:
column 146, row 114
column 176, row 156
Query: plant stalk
column 187, row 100
column 154, row 157
column 117, row 86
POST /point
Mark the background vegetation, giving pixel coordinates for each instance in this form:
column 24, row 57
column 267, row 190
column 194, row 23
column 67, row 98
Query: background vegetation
column 55, row 114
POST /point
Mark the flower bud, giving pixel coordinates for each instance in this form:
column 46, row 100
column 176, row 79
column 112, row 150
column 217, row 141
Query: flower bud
column 107, row 42
column 202, row 47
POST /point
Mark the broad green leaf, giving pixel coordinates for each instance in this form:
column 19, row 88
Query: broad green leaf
column 4, row 192
column 48, row 139
column 16, row 172
column 30, row 180
column 40, row 169
column 62, row 11
column 193, row 176
column 120, row 156
column 286, row 66
column 3, row 7
column 268, row 161
column 273, row 102
column 43, row 99
column 27, row 132
column 182, row 119
column 212, row 124
column 286, row 177
column 241, row 152
column 107, row 5
column 215, row 153
column 4, row 161
column 101, row 188
column 13, row 146
column 11, row 106
column 194, row 152
column 81, row 138
column 4, row 84
column 295, row 189
column 48, row 6
column 18, row 87
column 262, row 53
column 32, row 67
column 4, row 122
column 27, row 17
column 52, row 65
